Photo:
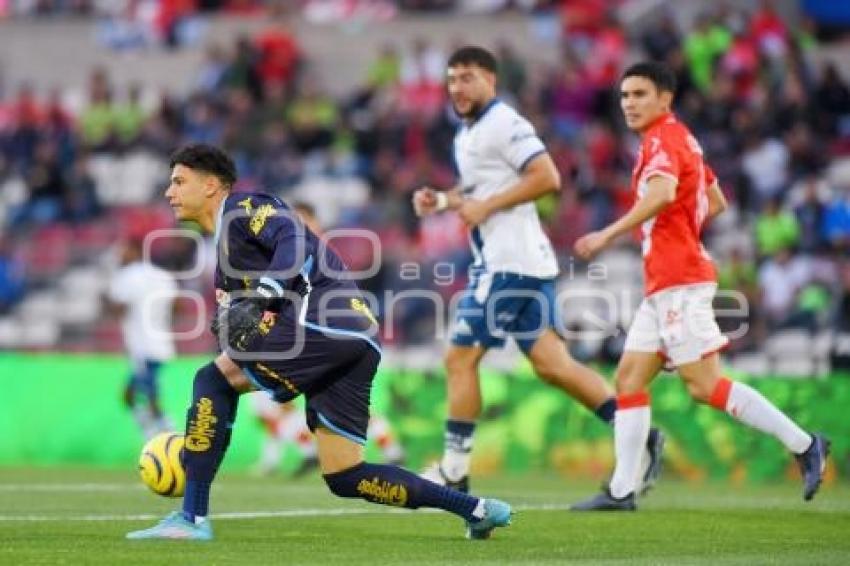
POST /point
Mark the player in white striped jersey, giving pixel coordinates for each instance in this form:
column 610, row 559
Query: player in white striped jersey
column 503, row 168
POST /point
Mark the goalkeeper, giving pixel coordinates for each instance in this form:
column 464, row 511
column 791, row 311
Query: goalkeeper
column 290, row 322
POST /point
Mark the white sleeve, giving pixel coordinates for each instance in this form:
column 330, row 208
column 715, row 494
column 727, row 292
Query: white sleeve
column 121, row 288
column 519, row 143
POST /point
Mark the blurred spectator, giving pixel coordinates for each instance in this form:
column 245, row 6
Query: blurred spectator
column 662, row 38
column 129, row 118
column 776, row 229
column 81, row 200
column 810, row 216
column 703, row 45
column 836, row 222
column 832, row 101
column 47, row 190
column 385, row 70
column 12, row 282
column 278, row 55
column 780, row 280
column 765, row 162
column 512, row 73
column 312, row 118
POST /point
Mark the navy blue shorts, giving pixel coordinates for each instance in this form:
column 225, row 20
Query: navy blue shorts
column 333, row 372
column 143, row 380
column 498, row 305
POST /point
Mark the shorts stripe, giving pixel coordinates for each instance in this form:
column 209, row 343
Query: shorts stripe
column 344, row 433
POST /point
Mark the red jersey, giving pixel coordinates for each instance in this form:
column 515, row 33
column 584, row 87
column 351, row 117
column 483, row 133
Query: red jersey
column 672, row 251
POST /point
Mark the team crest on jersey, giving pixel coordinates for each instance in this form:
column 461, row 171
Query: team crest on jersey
column 258, row 221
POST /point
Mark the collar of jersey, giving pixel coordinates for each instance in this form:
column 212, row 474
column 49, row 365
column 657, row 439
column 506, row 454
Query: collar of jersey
column 493, row 102
column 219, row 217
column 661, row 119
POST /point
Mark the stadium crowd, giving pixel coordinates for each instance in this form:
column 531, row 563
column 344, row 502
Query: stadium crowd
column 775, row 126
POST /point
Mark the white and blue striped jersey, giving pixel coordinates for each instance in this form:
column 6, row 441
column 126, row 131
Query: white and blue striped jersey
column 490, row 153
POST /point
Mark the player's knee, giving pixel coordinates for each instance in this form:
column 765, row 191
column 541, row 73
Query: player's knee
column 699, row 391
column 458, row 364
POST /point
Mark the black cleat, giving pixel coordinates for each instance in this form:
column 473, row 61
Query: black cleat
column 606, row 502
column 654, row 447
column 812, row 464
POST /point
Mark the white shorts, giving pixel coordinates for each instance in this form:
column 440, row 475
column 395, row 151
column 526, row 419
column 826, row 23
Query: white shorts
column 678, row 324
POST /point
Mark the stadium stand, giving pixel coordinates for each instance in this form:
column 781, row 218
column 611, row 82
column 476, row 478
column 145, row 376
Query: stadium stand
column 355, row 130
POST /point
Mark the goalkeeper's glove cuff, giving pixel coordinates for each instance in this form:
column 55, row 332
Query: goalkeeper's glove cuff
column 270, row 291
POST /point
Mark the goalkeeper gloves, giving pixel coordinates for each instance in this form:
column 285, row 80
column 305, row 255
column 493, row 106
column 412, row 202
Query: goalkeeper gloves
column 243, row 316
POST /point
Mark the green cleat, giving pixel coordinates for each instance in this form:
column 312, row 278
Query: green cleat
column 175, row 526
column 496, row 514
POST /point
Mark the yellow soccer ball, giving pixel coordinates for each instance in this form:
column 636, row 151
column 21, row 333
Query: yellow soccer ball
column 161, row 464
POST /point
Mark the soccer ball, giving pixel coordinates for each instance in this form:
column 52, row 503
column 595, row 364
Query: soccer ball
column 161, row 464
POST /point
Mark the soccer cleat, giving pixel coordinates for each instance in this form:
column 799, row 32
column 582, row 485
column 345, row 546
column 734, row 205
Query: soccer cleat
column 606, row 502
column 434, row 473
column 654, row 449
column 496, row 514
column 812, row 464
column 175, row 526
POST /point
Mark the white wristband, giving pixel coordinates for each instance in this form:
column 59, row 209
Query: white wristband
column 442, row 201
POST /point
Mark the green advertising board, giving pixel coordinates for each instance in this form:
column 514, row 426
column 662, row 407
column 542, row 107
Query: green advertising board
column 67, row 410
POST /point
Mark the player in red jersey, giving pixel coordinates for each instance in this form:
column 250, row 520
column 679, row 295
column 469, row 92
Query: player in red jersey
column 676, row 193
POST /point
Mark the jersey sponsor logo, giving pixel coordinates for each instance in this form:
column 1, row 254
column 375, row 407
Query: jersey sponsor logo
column 361, row 307
column 382, row 491
column 258, row 221
column 201, row 428
column 521, row 136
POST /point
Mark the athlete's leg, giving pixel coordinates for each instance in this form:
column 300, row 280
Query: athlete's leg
column 464, row 400
column 635, row 372
column 209, row 425
column 706, row 384
column 554, row 365
column 209, row 422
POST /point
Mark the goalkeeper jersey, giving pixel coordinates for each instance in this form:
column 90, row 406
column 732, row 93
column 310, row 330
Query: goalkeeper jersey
column 259, row 238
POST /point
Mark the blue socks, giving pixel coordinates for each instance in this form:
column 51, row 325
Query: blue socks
column 209, row 425
column 391, row 485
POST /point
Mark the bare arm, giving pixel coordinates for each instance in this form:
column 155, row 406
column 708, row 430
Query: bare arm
column 716, row 201
column 660, row 191
column 427, row 200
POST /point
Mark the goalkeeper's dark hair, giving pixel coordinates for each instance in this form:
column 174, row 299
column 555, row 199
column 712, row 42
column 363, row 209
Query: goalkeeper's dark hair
column 208, row 159
column 660, row 74
column 474, row 55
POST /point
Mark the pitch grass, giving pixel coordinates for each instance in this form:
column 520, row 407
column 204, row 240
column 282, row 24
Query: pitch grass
column 80, row 517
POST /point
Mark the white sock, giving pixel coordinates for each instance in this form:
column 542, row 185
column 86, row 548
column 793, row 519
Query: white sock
column 479, row 510
column 457, row 451
column 752, row 408
column 631, row 430
column 455, row 464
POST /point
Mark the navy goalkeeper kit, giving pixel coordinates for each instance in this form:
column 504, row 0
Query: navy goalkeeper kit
column 313, row 332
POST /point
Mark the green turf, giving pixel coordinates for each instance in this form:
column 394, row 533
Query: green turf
column 678, row 524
